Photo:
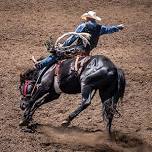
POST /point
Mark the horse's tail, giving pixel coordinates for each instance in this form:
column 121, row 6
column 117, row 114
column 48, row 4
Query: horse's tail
column 121, row 84
column 110, row 104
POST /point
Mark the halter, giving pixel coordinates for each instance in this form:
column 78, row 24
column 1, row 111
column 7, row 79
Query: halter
column 25, row 87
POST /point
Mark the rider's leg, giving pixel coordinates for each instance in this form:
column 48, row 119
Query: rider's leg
column 45, row 62
column 86, row 101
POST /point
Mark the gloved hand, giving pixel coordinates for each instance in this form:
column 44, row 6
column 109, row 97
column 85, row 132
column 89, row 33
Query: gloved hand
column 71, row 51
column 120, row 26
column 60, row 54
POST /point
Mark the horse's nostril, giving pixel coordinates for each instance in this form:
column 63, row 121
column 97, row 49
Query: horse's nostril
column 23, row 104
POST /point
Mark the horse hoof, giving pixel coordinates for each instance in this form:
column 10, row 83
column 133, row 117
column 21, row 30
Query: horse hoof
column 65, row 123
column 27, row 129
column 23, row 123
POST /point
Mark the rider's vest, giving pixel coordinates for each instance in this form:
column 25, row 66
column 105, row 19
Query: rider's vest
column 94, row 31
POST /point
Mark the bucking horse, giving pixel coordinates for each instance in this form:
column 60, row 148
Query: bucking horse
column 85, row 75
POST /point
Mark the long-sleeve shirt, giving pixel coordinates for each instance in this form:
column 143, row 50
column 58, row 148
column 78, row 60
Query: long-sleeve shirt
column 91, row 27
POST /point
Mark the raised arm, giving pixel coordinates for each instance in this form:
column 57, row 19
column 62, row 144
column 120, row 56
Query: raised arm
column 110, row 29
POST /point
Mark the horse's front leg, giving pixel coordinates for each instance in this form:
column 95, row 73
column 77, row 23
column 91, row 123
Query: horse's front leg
column 38, row 98
column 30, row 111
column 26, row 117
column 43, row 100
column 86, row 101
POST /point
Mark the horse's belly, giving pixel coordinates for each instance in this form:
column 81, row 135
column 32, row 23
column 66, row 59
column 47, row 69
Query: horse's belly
column 70, row 85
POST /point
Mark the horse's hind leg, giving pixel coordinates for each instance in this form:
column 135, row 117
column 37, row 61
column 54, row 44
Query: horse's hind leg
column 86, row 101
column 108, row 105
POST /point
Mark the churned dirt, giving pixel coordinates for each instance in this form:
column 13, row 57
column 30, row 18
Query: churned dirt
column 24, row 27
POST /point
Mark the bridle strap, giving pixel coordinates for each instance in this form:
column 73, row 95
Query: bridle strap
column 25, row 87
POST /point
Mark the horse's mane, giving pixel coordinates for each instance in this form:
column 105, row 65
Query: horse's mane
column 30, row 74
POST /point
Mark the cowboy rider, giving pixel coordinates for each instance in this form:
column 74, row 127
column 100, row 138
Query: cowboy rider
column 89, row 26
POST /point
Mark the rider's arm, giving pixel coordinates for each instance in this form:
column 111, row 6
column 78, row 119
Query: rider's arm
column 109, row 29
column 71, row 39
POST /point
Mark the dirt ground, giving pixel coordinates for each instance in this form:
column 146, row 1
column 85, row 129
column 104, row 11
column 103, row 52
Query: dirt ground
column 24, row 27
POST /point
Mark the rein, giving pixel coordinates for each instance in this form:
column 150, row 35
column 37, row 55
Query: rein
column 40, row 76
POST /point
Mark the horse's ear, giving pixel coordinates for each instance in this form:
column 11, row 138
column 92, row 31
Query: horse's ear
column 21, row 75
column 21, row 78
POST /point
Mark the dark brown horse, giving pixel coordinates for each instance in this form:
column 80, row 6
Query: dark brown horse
column 99, row 74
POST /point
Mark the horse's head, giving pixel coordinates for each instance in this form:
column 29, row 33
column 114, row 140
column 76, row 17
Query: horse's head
column 27, row 82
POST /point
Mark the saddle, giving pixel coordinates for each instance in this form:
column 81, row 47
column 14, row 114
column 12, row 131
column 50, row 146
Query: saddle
column 72, row 76
column 79, row 64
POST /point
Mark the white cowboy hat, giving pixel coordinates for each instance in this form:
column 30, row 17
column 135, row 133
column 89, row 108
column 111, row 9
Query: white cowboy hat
column 91, row 14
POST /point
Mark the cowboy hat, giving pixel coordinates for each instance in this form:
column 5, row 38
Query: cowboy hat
column 90, row 14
